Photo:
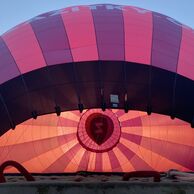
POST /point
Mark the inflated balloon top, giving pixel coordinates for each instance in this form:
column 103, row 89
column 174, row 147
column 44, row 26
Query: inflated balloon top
column 83, row 55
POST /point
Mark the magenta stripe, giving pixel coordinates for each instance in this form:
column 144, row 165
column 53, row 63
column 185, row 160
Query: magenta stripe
column 8, row 66
column 98, row 165
column 140, row 164
column 135, row 122
column 61, row 163
column 136, row 161
column 83, row 165
column 64, row 122
column 180, row 154
column 25, row 151
column 120, row 113
column 52, row 38
column 115, row 165
column 126, row 151
column 131, row 137
column 166, row 42
column 63, row 139
column 109, row 28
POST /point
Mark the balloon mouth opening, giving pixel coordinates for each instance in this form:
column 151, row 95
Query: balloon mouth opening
column 99, row 127
column 98, row 131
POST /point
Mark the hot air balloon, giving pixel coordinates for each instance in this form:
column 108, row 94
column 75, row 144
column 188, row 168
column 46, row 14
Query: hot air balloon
column 101, row 88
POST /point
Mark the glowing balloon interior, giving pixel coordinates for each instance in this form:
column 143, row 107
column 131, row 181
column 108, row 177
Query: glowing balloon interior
column 94, row 140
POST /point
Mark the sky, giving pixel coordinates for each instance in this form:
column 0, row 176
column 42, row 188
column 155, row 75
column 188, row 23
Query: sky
column 13, row 12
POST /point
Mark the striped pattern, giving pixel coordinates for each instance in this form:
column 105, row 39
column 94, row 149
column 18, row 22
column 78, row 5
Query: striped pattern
column 147, row 143
column 97, row 32
column 166, row 43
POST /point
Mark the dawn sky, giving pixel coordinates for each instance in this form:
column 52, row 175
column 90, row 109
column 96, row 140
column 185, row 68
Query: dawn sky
column 13, row 12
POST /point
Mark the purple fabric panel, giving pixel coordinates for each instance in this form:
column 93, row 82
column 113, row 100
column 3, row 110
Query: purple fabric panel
column 166, row 42
column 8, row 66
column 109, row 30
column 52, row 37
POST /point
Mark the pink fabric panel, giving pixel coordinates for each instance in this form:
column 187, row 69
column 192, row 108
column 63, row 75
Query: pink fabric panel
column 98, row 165
column 138, row 34
column 115, row 165
column 61, row 163
column 24, row 48
column 83, row 165
column 81, row 33
column 186, row 56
